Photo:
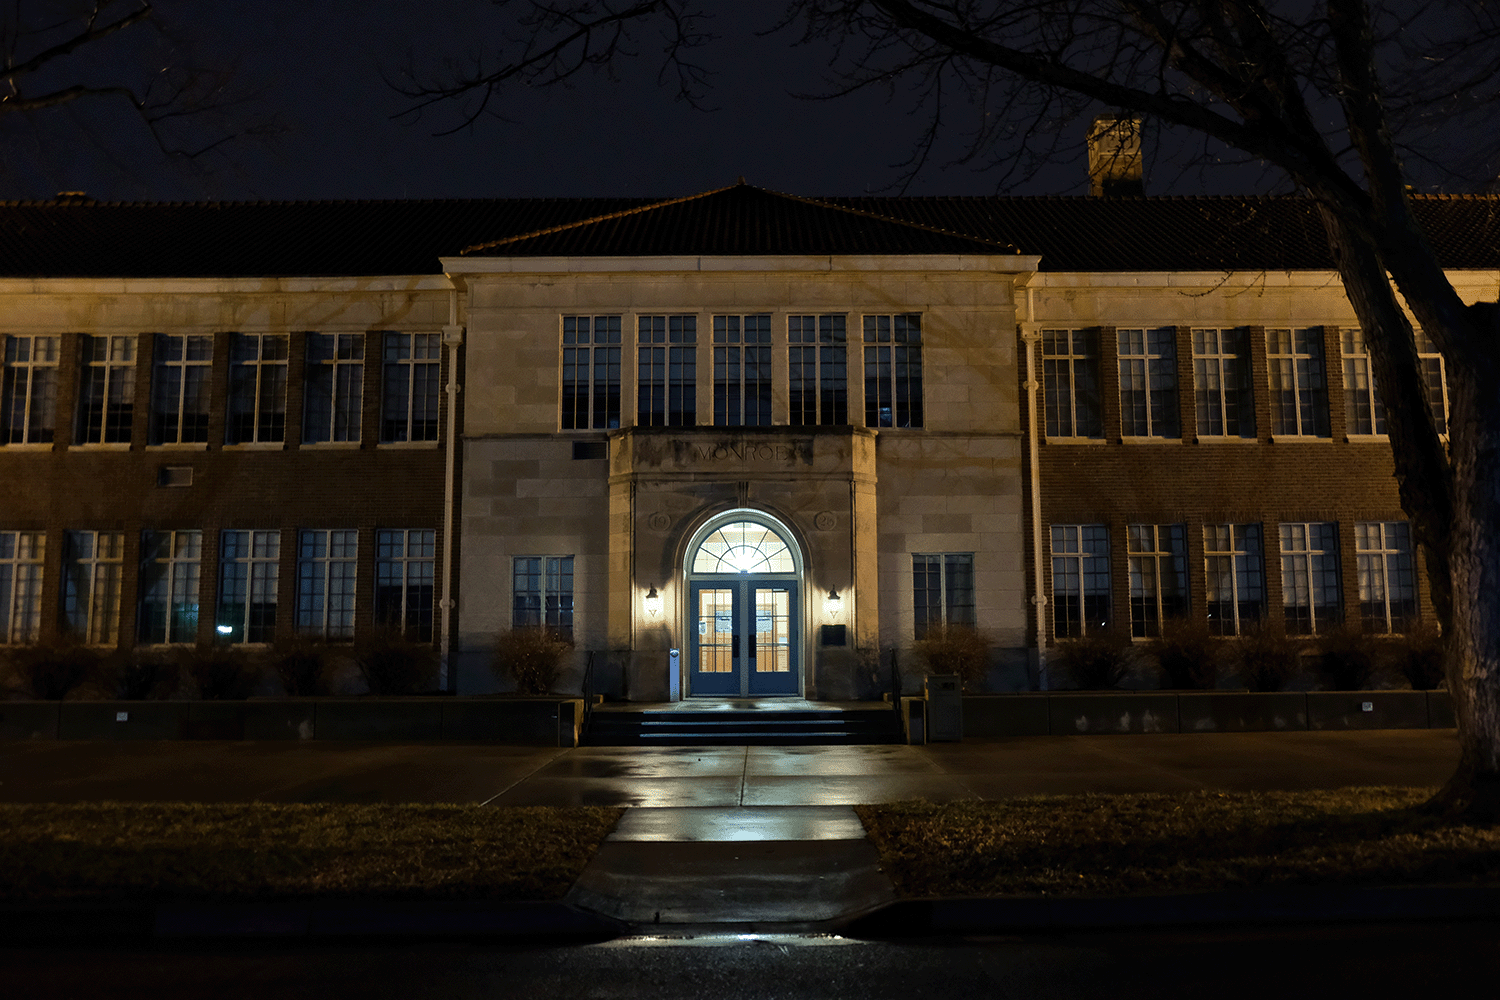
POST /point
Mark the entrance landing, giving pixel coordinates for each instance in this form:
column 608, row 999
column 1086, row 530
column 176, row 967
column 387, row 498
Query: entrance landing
column 743, row 722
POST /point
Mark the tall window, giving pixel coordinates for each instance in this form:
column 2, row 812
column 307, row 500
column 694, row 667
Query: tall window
column 1158, row 576
column 106, row 397
column 742, row 371
column 667, row 375
column 326, row 563
column 179, row 388
column 1235, row 593
column 169, row 586
column 409, row 405
column 21, row 555
column 333, row 387
column 942, row 590
column 1299, row 386
column 817, row 370
column 1434, row 380
column 1387, row 583
column 247, row 586
column 28, row 397
column 257, row 388
column 542, row 591
column 1148, row 383
column 893, row 370
column 1366, row 414
column 590, row 372
column 1070, row 383
column 1223, row 396
column 1080, row 579
column 404, row 581
column 1310, row 592
column 93, row 564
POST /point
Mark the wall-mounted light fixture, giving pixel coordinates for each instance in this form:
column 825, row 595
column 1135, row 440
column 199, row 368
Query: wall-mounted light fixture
column 653, row 603
column 832, row 604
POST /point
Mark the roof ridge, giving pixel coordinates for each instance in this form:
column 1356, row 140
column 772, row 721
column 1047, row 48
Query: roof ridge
column 886, row 218
column 597, row 218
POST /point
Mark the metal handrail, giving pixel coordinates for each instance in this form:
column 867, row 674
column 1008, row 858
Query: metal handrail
column 896, row 684
column 588, row 690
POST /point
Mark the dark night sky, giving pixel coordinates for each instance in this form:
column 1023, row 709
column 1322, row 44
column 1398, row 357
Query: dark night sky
column 316, row 70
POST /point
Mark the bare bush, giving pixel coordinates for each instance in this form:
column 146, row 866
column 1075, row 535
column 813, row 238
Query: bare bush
column 391, row 664
column 48, row 671
column 1267, row 658
column 301, row 662
column 531, row 658
column 1418, row 656
column 219, row 673
column 955, row 649
column 1099, row 661
column 1188, row 655
column 1348, row 657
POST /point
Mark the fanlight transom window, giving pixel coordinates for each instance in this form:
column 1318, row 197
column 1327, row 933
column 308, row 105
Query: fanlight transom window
column 744, row 547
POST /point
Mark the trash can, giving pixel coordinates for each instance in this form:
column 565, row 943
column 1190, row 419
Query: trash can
column 945, row 708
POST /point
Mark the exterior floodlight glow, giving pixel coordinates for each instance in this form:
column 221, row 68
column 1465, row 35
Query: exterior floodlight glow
column 653, row 603
column 832, row 603
column 225, row 629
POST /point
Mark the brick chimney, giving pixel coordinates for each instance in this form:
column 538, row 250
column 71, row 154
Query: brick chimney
column 1116, row 166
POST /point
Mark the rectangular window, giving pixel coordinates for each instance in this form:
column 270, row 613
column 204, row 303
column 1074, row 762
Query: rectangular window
column 28, row 398
column 333, row 387
column 1223, row 396
column 326, row 562
column 409, row 404
column 169, row 586
column 1365, row 412
column 590, row 372
column 106, row 396
column 667, row 375
column 1434, row 380
column 1310, row 592
column 1299, row 386
column 1070, row 383
column 179, row 388
column 818, row 370
column 1235, row 592
column 93, row 568
column 257, row 388
column 1158, row 576
column 247, row 586
column 742, row 371
column 21, row 554
column 542, row 589
column 893, row 370
column 1148, row 383
column 1387, row 583
column 1080, row 579
column 942, row 590
column 404, row 581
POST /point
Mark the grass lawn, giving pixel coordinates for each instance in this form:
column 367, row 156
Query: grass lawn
column 113, row 851
column 1157, row 843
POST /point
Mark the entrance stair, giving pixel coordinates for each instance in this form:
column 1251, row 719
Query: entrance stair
column 765, row 722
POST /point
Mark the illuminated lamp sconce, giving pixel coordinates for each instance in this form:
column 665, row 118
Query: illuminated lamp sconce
column 653, row 603
column 832, row 604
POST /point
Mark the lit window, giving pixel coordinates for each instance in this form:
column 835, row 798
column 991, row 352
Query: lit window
column 333, row 386
column 106, row 397
column 1311, row 595
column 169, row 586
column 1080, row 579
column 326, row 562
column 28, row 402
column 1223, row 396
column 1387, row 583
column 742, row 371
column 942, row 590
column 817, row 370
column 893, row 370
column 179, row 388
column 744, row 547
column 248, row 571
column 404, row 581
column 1070, row 383
column 1434, row 380
column 667, row 373
column 1234, row 596
column 93, row 565
column 257, row 388
column 590, row 372
column 21, row 555
column 543, row 593
column 409, row 405
column 1299, row 386
column 1148, row 383
column 1158, row 576
column 1365, row 412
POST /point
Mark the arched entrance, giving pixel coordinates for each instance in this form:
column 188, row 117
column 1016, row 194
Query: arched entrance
column 744, row 572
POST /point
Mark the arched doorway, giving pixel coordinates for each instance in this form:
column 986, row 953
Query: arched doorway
column 744, row 572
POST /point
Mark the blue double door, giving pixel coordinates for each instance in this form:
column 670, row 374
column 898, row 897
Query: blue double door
column 743, row 637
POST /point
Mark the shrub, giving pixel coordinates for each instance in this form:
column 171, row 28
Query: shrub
column 1096, row 662
column 139, row 674
column 391, row 664
column 1419, row 657
column 302, row 664
column 220, row 673
column 955, row 649
column 1268, row 658
column 531, row 657
column 50, row 670
column 1348, row 660
column 1187, row 654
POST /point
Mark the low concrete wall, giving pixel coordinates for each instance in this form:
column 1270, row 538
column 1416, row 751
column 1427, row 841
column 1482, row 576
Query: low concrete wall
column 1241, row 711
column 1147, row 712
column 28, row 720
